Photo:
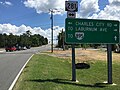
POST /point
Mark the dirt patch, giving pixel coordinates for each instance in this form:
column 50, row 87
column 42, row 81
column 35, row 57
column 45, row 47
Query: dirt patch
column 85, row 55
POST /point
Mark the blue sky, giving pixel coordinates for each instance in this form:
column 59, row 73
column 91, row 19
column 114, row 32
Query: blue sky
column 103, row 3
column 17, row 16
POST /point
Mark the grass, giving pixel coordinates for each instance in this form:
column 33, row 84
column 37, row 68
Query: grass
column 44, row 72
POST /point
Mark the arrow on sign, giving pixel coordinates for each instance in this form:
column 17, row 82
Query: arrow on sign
column 115, row 38
column 71, row 14
column 115, row 25
column 115, row 30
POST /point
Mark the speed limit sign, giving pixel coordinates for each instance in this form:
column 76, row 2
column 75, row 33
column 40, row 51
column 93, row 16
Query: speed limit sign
column 71, row 6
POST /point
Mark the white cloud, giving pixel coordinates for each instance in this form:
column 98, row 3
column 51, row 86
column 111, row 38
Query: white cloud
column 44, row 5
column 1, row 2
column 8, row 28
column 111, row 11
column 88, row 7
column 114, row 2
column 6, row 3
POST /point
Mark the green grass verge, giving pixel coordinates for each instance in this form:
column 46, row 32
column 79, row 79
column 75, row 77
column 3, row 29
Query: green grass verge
column 44, row 72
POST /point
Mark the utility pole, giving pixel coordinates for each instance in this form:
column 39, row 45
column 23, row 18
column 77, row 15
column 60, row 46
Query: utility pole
column 52, row 11
column 51, row 29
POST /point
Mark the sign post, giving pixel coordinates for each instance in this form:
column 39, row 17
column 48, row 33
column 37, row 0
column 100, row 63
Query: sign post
column 73, row 64
column 95, row 32
column 72, row 7
column 109, row 61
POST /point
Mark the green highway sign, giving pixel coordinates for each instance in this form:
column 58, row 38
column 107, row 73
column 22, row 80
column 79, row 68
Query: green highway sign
column 91, row 31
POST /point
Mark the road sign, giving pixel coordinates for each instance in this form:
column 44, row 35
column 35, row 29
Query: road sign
column 71, row 6
column 91, row 31
column 71, row 14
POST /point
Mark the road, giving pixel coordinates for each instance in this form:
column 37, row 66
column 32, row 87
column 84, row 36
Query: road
column 12, row 62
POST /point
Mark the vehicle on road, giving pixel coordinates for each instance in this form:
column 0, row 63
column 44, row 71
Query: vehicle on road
column 23, row 48
column 18, row 48
column 28, row 47
column 11, row 48
column 117, row 48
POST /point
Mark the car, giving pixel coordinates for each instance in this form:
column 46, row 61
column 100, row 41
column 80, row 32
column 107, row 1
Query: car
column 28, row 47
column 18, row 48
column 11, row 48
column 23, row 48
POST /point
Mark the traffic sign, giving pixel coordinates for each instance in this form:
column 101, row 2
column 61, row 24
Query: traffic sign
column 91, row 31
column 71, row 14
column 71, row 6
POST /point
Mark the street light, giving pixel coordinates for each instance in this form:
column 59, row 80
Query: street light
column 52, row 11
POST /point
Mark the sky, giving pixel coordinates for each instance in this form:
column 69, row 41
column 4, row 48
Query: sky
column 18, row 16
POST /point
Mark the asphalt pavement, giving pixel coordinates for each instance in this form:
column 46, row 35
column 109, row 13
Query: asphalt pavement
column 12, row 62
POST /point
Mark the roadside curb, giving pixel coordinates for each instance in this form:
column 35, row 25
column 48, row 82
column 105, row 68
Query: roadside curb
column 15, row 80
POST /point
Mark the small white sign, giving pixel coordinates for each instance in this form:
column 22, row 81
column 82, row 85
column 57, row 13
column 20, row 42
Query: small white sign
column 71, row 6
column 71, row 14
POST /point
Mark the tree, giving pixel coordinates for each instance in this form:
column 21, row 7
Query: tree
column 61, row 40
column 2, row 40
column 28, row 33
column 11, row 40
column 26, row 39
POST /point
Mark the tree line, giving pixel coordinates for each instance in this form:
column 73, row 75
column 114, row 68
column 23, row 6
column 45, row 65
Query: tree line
column 26, row 39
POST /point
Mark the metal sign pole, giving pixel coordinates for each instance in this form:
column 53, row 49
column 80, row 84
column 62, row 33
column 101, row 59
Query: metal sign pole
column 73, row 64
column 72, row 7
column 109, row 61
